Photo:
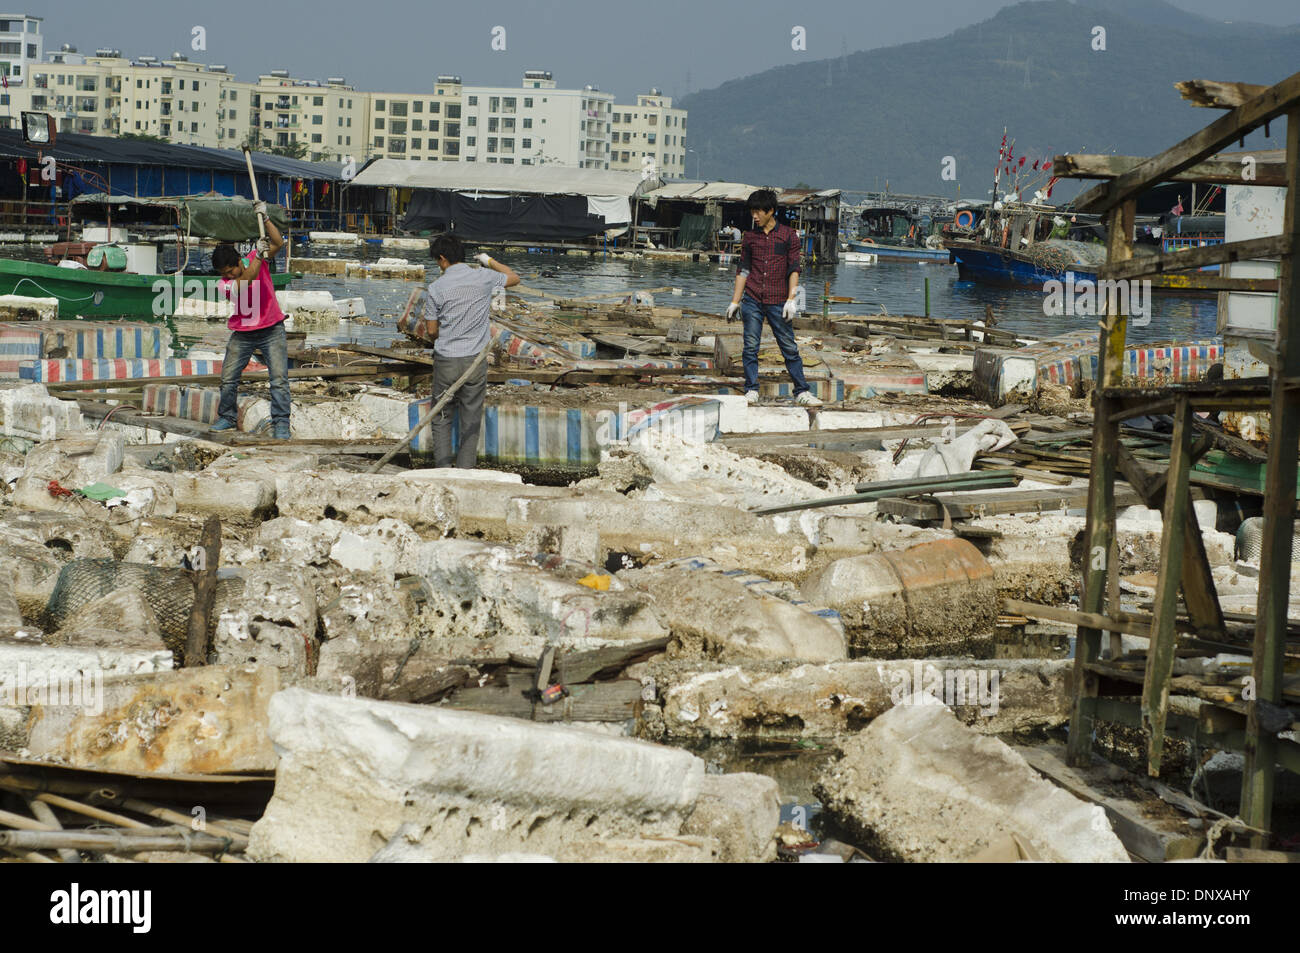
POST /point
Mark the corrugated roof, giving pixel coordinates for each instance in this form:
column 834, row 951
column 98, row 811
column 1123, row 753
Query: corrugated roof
column 79, row 149
column 497, row 178
column 732, row 192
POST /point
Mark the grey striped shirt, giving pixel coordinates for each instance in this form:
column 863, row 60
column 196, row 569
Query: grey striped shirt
column 460, row 301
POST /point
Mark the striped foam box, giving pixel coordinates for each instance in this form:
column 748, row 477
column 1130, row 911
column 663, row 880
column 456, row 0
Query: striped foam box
column 51, row 371
column 999, row 374
column 1170, row 363
column 20, row 344
column 567, row 438
column 96, row 340
column 827, row 391
column 866, row 384
column 200, row 404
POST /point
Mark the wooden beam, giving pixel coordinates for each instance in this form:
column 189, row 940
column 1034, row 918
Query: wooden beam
column 1219, row 171
column 975, row 505
column 1199, row 281
column 1268, row 654
column 1160, row 656
column 1100, row 533
column 1273, row 102
column 1075, row 618
column 295, row 373
column 1213, row 94
column 205, row 590
column 1270, row 246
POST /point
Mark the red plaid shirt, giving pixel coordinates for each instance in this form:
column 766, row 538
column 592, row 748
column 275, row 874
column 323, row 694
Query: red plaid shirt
column 768, row 259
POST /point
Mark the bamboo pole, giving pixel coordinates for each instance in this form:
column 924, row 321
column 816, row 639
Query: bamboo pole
column 126, row 842
column 43, row 813
column 442, row 402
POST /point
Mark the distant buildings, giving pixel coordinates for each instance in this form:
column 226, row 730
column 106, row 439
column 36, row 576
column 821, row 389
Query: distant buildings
column 188, row 103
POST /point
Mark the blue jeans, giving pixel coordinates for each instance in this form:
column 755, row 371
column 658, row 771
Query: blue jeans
column 752, row 314
column 273, row 347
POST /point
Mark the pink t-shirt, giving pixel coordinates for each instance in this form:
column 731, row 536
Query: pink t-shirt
column 255, row 304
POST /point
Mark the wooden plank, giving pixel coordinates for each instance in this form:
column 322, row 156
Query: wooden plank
column 1268, row 656
column 598, row 701
column 429, row 687
column 975, row 505
column 1100, row 532
column 1249, row 855
column 405, row 355
column 1160, row 657
column 1273, row 102
column 1140, row 836
column 1213, row 94
column 1270, row 246
column 205, row 590
column 1216, row 170
column 1074, row 617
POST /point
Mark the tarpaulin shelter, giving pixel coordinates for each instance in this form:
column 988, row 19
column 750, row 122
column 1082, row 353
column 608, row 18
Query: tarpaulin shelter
column 495, row 202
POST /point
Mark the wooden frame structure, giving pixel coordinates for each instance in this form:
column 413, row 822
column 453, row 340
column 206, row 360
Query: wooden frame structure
column 1248, row 724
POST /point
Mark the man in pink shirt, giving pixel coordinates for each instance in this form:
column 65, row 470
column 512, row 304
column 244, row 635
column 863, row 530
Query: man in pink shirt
column 257, row 327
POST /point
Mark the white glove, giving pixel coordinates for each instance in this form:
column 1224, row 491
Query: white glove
column 263, row 247
column 484, row 259
column 260, row 208
column 790, row 311
column 733, row 311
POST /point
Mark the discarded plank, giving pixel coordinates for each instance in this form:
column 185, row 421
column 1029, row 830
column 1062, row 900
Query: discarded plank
column 975, row 505
column 205, row 590
column 601, row 701
column 890, row 488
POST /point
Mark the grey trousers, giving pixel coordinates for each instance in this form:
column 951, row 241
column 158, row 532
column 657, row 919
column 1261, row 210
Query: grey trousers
column 468, row 400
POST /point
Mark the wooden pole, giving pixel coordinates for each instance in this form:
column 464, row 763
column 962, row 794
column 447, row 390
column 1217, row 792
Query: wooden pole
column 205, row 589
column 1279, row 508
column 248, row 160
column 442, row 402
column 1098, row 558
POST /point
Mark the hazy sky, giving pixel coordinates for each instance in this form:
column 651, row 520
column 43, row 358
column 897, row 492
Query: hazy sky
column 623, row 47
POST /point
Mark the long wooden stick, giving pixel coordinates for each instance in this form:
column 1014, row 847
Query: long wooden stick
column 205, row 589
column 43, row 813
column 436, row 409
column 129, row 842
column 248, row 158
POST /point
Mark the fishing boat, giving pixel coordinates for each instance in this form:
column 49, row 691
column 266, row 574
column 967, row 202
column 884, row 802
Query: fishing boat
column 105, row 275
column 897, row 233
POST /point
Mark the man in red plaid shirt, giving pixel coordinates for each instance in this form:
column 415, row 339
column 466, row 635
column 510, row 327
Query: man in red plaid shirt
column 766, row 277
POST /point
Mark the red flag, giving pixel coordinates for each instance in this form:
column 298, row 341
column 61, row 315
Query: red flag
column 1022, row 160
column 4, row 78
column 1035, row 165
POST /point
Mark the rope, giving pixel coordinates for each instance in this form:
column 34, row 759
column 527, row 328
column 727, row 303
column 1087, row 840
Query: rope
column 49, row 294
column 1213, row 834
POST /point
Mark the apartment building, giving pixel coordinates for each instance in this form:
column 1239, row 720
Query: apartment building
column 652, row 128
column 424, row 127
column 537, row 123
column 21, row 47
column 327, row 118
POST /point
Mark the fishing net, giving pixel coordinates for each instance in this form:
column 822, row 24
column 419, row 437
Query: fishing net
column 1061, row 255
column 169, row 592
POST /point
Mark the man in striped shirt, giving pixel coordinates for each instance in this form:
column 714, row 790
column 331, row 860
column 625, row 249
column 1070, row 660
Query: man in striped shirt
column 767, row 276
column 457, row 310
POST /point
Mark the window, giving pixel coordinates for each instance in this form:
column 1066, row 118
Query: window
column 396, row 145
column 471, row 121
column 507, row 161
column 349, row 104
column 473, row 101
column 470, row 141
column 417, row 125
column 528, row 102
column 507, row 145
column 194, row 107
column 194, row 127
column 508, row 104
column 492, row 124
column 494, row 104
column 437, row 107
column 417, row 106
column 11, row 49
column 627, row 137
column 31, row 51
column 340, row 142
column 507, row 125
column 415, row 143
column 433, row 145
column 627, row 117
column 379, row 105
column 349, row 140
column 234, row 94
column 349, row 122
column 379, row 122
column 318, row 100
column 397, row 109
column 317, row 119
column 397, row 127
column 528, row 124
column 527, row 144
column 525, row 161
column 379, row 142
column 615, row 117
column 433, row 124
column 340, row 122
column 452, row 131
column 492, row 159
column 450, row 148
column 627, row 156
column 492, row 144
column 652, row 119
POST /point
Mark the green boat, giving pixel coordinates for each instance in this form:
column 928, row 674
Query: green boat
column 92, row 293
column 111, row 293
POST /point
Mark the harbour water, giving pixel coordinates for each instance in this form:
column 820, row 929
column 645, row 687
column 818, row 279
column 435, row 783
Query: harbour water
column 898, row 287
